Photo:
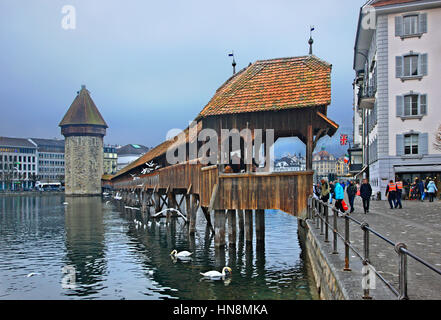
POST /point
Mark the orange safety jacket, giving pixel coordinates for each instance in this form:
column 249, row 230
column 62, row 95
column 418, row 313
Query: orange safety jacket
column 399, row 185
column 392, row 187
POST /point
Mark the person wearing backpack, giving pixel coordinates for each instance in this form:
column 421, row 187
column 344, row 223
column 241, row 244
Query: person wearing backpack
column 351, row 191
column 324, row 191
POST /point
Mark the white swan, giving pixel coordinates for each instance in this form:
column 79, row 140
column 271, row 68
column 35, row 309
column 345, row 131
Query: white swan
column 180, row 255
column 216, row 275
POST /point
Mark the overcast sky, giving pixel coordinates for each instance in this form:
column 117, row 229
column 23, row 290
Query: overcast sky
column 153, row 65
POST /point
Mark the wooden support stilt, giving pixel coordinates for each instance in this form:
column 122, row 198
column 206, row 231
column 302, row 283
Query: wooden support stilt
column 157, row 200
column 219, row 227
column 193, row 214
column 208, row 218
column 249, row 225
column 232, row 225
column 240, row 214
column 309, row 147
column 260, row 225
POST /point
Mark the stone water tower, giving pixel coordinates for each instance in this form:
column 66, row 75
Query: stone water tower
column 83, row 128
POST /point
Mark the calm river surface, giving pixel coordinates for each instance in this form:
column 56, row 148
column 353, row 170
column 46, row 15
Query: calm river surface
column 98, row 243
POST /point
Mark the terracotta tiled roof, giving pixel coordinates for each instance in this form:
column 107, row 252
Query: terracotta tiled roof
column 83, row 111
column 275, row 84
column 382, row 3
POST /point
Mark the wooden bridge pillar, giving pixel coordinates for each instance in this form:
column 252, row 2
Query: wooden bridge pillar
column 260, row 226
column 232, row 225
column 157, row 200
column 249, row 225
column 240, row 214
column 193, row 214
column 219, row 228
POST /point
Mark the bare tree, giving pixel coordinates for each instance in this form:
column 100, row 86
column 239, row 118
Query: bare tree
column 437, row 143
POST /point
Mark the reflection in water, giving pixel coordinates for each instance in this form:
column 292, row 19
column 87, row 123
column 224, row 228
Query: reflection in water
column 85, row 243
column 115, row 258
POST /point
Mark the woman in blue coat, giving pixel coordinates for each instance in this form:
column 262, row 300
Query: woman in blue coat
column 432, row 190
column 339, row 196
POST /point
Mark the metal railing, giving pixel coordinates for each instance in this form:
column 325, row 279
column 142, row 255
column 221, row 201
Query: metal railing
column 318, row 212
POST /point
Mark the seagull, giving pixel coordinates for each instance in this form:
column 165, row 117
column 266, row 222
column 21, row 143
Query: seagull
column 157, row 167
column 107, row 202
column 216, row 275
column 181, row 255
column 150, row 164
column 65, row 203
column 32, row 274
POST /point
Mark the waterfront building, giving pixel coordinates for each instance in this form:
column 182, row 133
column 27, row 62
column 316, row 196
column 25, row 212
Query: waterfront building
column 129, row 153
column 396, row 90
column 18, row 163
column 323, row 163
column 50, row 159
column 290, row 163
column 110, row 163
column 341, row 168
column 83, row 128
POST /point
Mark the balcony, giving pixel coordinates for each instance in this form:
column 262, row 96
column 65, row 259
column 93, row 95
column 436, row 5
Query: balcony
column 366, row 96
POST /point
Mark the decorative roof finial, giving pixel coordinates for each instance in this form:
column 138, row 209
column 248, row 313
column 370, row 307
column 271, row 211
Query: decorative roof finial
column 311, row 41
column 234, row 62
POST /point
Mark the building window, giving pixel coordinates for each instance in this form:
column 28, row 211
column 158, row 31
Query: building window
column 410, row 25
column 410, row 66
column 411, row 144
column 411, row 105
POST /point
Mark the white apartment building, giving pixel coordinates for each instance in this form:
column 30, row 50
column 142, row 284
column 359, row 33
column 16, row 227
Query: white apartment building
column 397, row 96
column 18, row 164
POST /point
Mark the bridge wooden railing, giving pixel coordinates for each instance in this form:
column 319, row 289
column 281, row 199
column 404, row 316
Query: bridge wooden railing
column 286, row 191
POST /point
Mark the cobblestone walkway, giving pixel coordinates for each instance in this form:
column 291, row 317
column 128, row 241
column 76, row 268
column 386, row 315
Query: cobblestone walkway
column 418, row 225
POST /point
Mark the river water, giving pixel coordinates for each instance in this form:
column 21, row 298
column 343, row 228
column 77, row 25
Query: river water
column 90, row 248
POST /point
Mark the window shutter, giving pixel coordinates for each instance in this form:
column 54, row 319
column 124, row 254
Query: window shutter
column 423, row 143
column 422, row 68
column 422, row 25
column 400, row 106
column 400, row 144
column 399, row 66
column 398, row 26
column 423, row 104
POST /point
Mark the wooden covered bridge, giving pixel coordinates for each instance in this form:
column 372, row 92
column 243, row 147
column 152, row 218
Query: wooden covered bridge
column 288, row 97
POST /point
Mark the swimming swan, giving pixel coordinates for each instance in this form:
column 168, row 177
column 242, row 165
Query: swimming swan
column 216, row 275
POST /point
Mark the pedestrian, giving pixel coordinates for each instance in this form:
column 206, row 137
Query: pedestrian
column 324, row 191
column 331, row 191
column 421, row 189
column 316, row 191
column 391, row 192
column 339, row 196
column 351, row 191
column 399, row 194
column 431, row 190
column 366, row 193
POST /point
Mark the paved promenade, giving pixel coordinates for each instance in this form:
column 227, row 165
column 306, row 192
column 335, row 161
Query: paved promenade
column 418, row 225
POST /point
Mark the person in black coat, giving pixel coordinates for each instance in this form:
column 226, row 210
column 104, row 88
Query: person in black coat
column 366, row 193
column 351, row 191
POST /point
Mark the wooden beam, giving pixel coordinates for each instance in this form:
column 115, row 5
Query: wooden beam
column 240, row 214
column 309, row 147
column 219, row 227
column 260, row 225
column 249, row 225
column 208, row 218
column 232, row 225
column 213, row 197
